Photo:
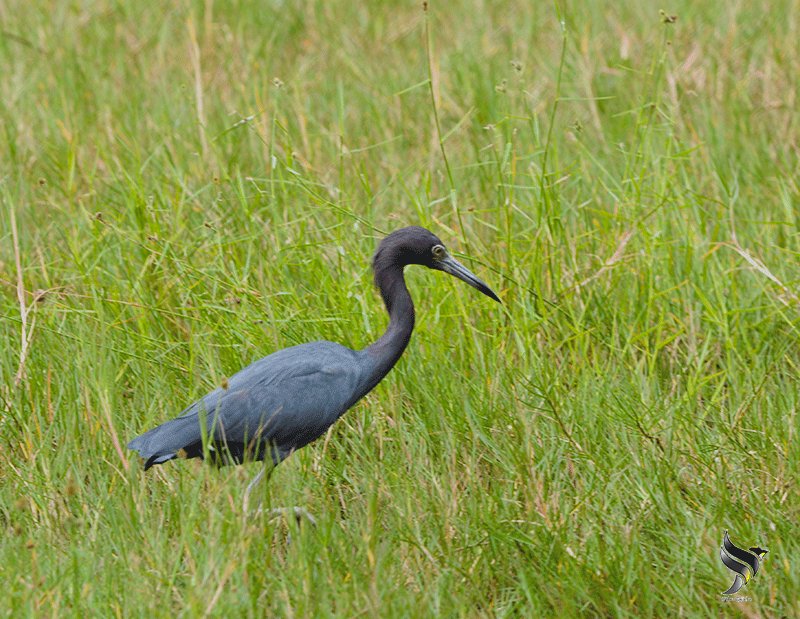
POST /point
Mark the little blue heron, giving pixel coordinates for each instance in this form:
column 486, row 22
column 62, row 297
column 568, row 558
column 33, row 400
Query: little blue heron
column 284, row 401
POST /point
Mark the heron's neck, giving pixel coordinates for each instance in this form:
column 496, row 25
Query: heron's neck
column 384, row 353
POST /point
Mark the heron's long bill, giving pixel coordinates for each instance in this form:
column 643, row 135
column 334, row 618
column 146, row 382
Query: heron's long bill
column 455, row 268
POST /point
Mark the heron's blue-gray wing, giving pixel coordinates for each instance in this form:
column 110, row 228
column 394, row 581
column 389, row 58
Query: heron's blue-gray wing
column 281, row 402
column 289, row 398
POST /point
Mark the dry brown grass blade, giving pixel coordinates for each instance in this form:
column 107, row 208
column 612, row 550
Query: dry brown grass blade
column 194, row 55
column 26, row 334
column 762, row 268
column 615, row 257
column 114, row 436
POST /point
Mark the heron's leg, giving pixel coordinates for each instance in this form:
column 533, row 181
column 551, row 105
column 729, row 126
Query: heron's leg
column 253, row 484
column 298, row 512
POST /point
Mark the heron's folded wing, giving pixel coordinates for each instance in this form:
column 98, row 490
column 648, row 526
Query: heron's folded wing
column 289, row 398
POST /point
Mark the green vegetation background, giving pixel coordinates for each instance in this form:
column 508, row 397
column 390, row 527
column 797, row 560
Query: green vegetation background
column 189, row 186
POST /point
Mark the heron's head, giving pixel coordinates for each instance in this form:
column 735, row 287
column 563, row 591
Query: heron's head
column 415, row 245
column 759, row 552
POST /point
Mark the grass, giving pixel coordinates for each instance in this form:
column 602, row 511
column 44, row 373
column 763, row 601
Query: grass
column 186, row 188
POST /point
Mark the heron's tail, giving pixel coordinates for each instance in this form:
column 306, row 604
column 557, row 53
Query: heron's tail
column 178, row 438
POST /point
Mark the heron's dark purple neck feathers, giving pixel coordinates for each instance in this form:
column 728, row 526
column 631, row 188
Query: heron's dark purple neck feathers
column 387, row 350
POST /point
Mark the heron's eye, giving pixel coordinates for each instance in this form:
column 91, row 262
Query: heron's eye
column 439, row 252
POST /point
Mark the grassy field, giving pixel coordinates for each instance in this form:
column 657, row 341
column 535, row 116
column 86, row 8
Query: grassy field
column 188, row 187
